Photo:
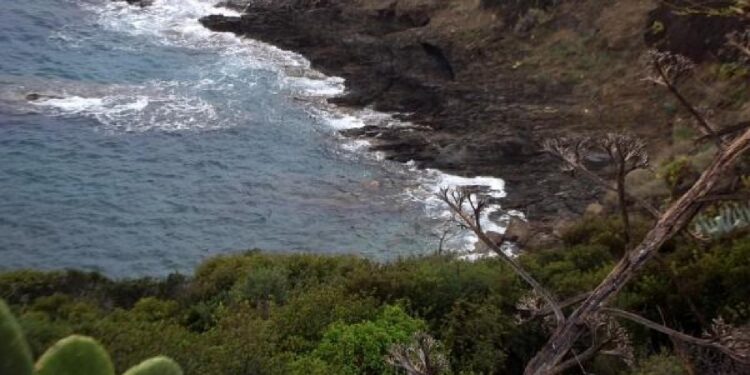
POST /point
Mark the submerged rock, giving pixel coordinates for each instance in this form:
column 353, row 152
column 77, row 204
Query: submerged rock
column 36, row 96
column 140, row 3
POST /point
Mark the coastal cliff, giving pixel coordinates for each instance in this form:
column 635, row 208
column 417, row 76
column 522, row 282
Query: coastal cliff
column 485, row 82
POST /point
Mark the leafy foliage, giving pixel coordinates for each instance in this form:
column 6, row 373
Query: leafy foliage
column 335, row 314
column 360, row 348
column 72, row 355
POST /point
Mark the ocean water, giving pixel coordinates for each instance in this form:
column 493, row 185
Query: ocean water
column 157, row 143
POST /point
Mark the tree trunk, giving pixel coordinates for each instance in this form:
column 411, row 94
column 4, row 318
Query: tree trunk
column 671, row 222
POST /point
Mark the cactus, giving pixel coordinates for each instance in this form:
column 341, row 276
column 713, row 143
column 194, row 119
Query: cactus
column 730, row 218
column 75, row 355
column 15, row 355
column 156, row 366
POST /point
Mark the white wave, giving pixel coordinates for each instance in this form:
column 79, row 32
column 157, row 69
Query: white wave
column 109, row 106
column 495, row 187
column 343, row 122
column 316, row 86
column 494, row 218
column 164, row 111
column 176, row 23
column 177, row 105
column 73, row 104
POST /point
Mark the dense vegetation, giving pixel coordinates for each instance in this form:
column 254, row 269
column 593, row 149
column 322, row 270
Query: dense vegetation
column 257, row 313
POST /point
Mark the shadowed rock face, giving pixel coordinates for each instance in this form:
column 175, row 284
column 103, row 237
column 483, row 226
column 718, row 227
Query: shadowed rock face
column 471, row 121
column 697, row 36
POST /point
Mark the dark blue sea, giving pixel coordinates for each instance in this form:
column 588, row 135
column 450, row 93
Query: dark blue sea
column 154, row 143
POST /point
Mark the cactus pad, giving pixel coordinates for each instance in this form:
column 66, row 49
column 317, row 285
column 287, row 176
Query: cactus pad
column 156, row 366
column 75, row 355
column 15, row 355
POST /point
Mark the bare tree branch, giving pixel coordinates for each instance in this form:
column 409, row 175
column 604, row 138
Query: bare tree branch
column 570, row 152
column 712, row 343
column 455, row 199
column 577, row 360
column 629, row 154
column 670, row 223
column 669, row 67
column 421, row 357
column 605, row 332
column 534, row 313
column 729, row 130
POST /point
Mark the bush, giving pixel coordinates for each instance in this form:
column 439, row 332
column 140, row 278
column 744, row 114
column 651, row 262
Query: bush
column 662, row 364
column 330, row 315
column 359, row 348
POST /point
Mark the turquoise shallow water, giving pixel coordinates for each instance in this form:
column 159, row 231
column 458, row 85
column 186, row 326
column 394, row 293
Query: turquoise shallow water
column 163, row 144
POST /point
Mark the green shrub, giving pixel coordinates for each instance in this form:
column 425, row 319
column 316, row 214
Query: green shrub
column 303, row 320
column 152, row 309
column 573, row 270
column 662, row 364
column 359, row 348
column 431, row 285
column 679, row 175
column 331, row 315
column 262, row 285
column 478, row 334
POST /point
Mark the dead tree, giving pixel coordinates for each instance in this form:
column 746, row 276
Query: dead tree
column 573, row 152
column 569, row 332
column 670, row 223
column 551, row 359
column 627, row 153
column 468, row 207
column 421, row 357
column 558, row 354
column 668, row 69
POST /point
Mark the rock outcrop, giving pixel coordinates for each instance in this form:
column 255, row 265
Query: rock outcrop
column 485, row 81
column 474, row 117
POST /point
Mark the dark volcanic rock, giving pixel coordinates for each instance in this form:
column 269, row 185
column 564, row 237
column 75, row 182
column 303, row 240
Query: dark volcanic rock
column 36, row 96
column 471, row 119
column 694, row 35
column 140, row 3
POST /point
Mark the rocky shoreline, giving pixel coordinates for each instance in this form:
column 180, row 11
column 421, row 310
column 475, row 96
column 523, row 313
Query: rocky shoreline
column 483, row 83
column 471, row 120
column 486, row 82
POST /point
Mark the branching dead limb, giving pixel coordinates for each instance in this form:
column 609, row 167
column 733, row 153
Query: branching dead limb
column 714, row 343
column 729, row 130
column 669, row 68
column 629, row 154
column 572, row 153
column 670, row 223
column 421, row 357
column 457, row 199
